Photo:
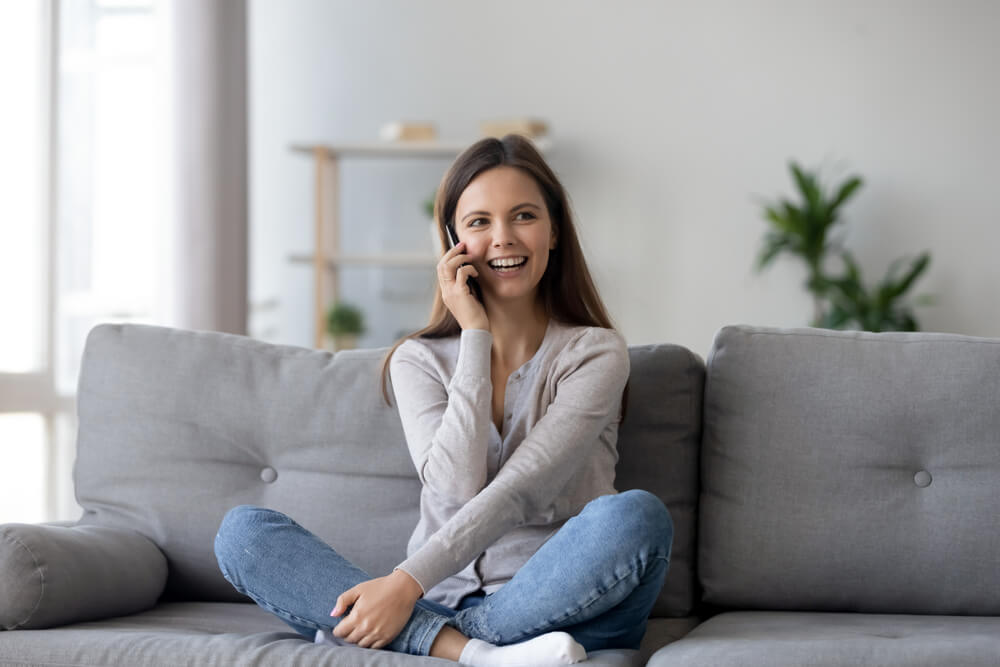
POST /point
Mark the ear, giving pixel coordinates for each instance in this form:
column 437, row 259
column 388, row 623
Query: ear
column 553, row 238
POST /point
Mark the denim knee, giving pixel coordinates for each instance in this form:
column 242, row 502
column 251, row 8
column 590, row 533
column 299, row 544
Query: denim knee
column 237, row 528
column 644, row 514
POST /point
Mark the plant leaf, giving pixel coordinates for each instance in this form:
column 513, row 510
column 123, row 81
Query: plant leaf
column 808, row 186
column 773, row 244
column 915, row 270
column 847, row 189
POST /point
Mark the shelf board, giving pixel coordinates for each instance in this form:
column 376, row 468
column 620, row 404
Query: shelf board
column 405, row 260
column 400, row 148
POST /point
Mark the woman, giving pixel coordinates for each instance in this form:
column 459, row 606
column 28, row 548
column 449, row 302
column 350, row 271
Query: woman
column 524, row 553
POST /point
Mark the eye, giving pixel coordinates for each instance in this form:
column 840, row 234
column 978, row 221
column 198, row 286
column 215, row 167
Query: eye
column 472, row 223
column 527, row 213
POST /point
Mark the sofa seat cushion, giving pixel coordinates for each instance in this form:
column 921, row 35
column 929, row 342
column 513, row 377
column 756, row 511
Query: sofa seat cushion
column 776, row 639
column 186, row 633
column 230, row 633
column 659, row 633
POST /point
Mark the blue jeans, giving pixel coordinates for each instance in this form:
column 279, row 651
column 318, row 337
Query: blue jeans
column 596, row 578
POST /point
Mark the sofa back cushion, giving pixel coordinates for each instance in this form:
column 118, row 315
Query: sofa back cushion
column 176, row 427
column 658, row 448
column 850, row 471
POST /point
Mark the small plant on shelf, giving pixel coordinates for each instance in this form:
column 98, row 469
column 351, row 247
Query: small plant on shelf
column 344, row 323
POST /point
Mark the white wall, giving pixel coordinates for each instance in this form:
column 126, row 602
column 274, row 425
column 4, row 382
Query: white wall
column 669, row 119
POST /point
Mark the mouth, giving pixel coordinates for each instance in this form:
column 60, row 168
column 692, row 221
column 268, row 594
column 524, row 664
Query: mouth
column 508, row 265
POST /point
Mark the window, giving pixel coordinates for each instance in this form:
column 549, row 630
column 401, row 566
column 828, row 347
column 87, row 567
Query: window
column 82, row 228
column 109, row 178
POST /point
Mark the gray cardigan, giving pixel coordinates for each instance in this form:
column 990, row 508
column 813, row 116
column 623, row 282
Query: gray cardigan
column 490, row 500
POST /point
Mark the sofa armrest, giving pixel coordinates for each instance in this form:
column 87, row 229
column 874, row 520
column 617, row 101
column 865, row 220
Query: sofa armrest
column 53, row 574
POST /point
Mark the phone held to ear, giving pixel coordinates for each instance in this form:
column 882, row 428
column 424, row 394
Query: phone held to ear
column 473, row 284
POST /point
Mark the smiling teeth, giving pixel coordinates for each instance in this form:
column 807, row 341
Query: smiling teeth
column 511, row 261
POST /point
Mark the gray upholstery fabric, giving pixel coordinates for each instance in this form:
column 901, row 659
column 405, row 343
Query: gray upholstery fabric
column 794, row 639
column 51, row 575
column 217, row 633
column 847, row 471
column 663, row 631
column 840, row 471
column 658, row 451
column 177, row 426
column 188, row 633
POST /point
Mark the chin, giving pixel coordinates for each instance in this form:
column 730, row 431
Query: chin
column 509, row 295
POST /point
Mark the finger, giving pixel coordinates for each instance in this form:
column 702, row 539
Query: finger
column 368, row 641
column 455, row 263
column 344, row 600
column 381, row 643
column 344, row 628
column 454, row 252
column 467, row 272
column 444, row 275
column 448, row 266
column 357, row 635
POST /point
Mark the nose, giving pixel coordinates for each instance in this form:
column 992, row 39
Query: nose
column 502, row 235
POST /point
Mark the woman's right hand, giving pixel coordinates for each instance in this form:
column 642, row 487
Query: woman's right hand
column 458, row 297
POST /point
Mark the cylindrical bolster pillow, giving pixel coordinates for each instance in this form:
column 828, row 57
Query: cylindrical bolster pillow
column 53, row 575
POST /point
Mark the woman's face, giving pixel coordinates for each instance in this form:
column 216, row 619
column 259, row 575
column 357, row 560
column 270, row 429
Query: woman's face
column 501, row 215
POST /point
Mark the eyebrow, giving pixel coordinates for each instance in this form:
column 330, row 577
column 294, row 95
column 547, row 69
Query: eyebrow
column 522, row 205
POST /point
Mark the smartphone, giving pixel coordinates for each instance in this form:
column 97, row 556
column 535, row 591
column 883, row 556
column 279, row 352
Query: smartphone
column 473, row 284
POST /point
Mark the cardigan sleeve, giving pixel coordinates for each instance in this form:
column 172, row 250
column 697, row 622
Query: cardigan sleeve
column 590, row 377
column 447, row 430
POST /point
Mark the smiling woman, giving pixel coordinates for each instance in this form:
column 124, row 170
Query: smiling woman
column 510, row 406
column 512, row 244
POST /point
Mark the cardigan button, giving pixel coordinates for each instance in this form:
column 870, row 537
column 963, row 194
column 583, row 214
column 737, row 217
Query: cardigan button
column 269, row 475
column 922, row 478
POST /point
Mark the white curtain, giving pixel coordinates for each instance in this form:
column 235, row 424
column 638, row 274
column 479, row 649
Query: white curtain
column 209, row 202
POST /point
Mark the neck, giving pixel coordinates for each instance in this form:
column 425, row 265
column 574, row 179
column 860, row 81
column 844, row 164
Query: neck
column 518, row 331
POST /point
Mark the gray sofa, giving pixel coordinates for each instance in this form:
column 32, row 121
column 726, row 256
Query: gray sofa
column 835, row 496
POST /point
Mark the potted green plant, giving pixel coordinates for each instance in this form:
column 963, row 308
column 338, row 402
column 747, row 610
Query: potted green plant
column 428, row 207
column 344, row 323
column 803, row 229
column 877, row 309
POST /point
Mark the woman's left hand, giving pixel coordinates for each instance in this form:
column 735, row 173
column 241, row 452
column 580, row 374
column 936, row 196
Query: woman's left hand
column 382, row 607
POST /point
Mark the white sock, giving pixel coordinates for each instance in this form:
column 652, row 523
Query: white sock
column 553, row 648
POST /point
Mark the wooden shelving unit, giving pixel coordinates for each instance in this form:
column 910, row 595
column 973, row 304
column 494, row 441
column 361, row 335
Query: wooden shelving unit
column 327, row 258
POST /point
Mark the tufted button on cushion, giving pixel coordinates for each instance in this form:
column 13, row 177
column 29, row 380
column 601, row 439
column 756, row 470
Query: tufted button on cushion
column 922, row 478
column 269, row 475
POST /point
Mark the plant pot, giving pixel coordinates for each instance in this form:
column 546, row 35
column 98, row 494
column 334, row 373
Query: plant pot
column 341, row 342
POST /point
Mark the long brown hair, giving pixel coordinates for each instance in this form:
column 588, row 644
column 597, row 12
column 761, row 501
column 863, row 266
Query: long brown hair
column 566, row 289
